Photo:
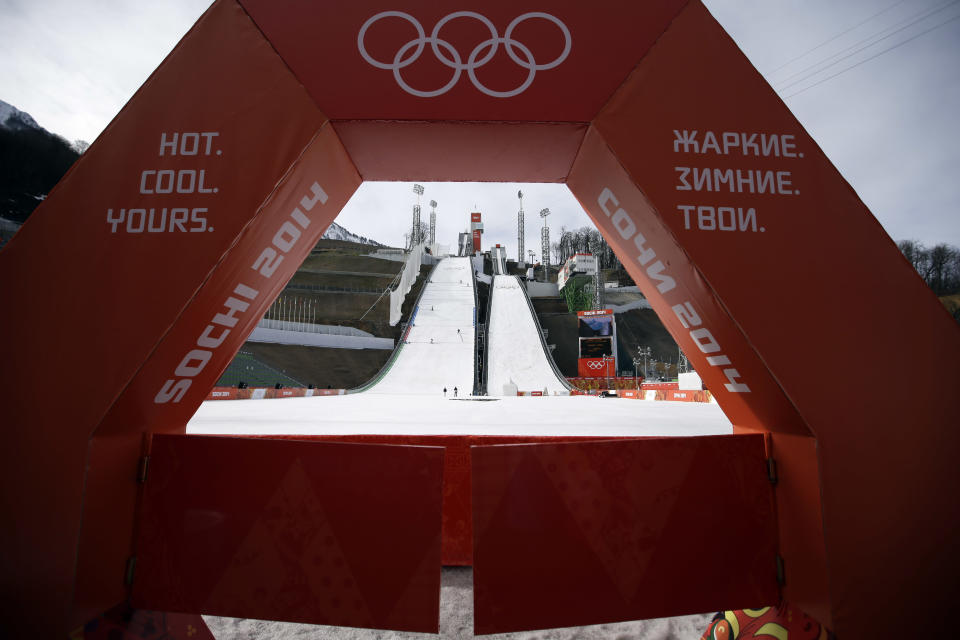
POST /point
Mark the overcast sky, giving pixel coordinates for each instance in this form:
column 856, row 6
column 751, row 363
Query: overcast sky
column 890, row 123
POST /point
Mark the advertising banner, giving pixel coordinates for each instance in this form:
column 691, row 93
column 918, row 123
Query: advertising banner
column 596, row 367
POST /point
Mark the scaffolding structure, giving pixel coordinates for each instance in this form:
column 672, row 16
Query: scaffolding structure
column 545, row 245
column 416, row 233
column 520, row 230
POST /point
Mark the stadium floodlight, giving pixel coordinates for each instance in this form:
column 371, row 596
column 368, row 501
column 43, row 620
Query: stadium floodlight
column 415, row 235
column 545, row 245
column 520, row 230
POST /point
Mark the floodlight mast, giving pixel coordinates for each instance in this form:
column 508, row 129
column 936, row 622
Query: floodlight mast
column 598, row 289
column 545, row 245
column 520, row 231
column 433, row 222
column 415, row 235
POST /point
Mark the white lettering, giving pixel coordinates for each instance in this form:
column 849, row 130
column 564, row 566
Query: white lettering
column 171, row 144
column 172, row 390
column 193, row 363
column 191, row 139
column 730, row 140
column 784, row 183
column 141, row 215
column 143, row 181
column 710, row 142
column 687, row 139
column 113, row 222
column 198, row 220
column 319, row 195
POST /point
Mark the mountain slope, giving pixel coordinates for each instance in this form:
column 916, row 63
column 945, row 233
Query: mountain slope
column 336, row 232
column 32, row 161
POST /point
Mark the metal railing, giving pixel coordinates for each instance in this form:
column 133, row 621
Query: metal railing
column 478, row 388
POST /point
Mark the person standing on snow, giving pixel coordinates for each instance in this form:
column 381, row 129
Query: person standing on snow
column 444, row 392
column 454, row 392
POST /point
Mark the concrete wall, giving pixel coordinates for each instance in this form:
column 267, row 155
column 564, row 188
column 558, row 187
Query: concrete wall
column 303, row 338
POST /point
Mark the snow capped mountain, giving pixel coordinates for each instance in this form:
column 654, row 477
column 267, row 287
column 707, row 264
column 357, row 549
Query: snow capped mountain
column 13, row 118
column 336, row 232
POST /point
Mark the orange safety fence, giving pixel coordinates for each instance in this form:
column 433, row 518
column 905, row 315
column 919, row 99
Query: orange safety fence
column 258, row 393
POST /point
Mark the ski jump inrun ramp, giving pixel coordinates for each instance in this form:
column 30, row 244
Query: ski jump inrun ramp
column 437, row 351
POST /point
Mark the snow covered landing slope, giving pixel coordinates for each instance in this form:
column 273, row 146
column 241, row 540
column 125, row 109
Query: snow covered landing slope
column 439, row 349
column 515, row 355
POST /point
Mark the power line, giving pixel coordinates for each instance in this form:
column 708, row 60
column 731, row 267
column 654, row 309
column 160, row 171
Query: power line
column 842, row 33
column 866, row 46
column 876, row 55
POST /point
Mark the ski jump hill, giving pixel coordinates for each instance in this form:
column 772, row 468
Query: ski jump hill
column 437, row 350
column 517, row 359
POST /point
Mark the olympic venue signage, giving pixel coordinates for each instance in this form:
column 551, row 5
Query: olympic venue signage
column 219, row 174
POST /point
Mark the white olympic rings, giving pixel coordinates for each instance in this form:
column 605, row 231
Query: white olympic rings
column 595, row 365
column 447, row 54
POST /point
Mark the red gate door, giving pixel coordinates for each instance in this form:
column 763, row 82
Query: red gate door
column 591, row 532
column 322, row 533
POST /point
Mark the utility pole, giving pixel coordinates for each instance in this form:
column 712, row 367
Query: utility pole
column 598, row 290
column 433, row 222
column 644, row 352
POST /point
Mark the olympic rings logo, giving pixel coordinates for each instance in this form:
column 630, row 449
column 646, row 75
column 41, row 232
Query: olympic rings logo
column 595, row 365
column 447, row 54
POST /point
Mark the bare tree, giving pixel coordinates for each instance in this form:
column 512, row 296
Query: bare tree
column 939, row 266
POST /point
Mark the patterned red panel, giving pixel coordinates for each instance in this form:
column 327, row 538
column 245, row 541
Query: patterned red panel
column 323, row 533
column 591, row 532
column 457, row 528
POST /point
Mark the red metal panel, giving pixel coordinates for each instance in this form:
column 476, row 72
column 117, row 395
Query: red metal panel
column 320, row 41
column 450, row 151
column 324, row 533
column 584, row 533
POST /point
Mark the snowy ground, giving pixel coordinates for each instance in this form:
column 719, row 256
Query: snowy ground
column 368, row 413
column 456, row 623
column 515, row 356
column 439, row 349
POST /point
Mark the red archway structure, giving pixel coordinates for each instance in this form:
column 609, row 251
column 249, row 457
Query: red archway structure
column 177, row 228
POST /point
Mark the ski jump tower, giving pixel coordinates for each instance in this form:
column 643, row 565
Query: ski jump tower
column 476, row 230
